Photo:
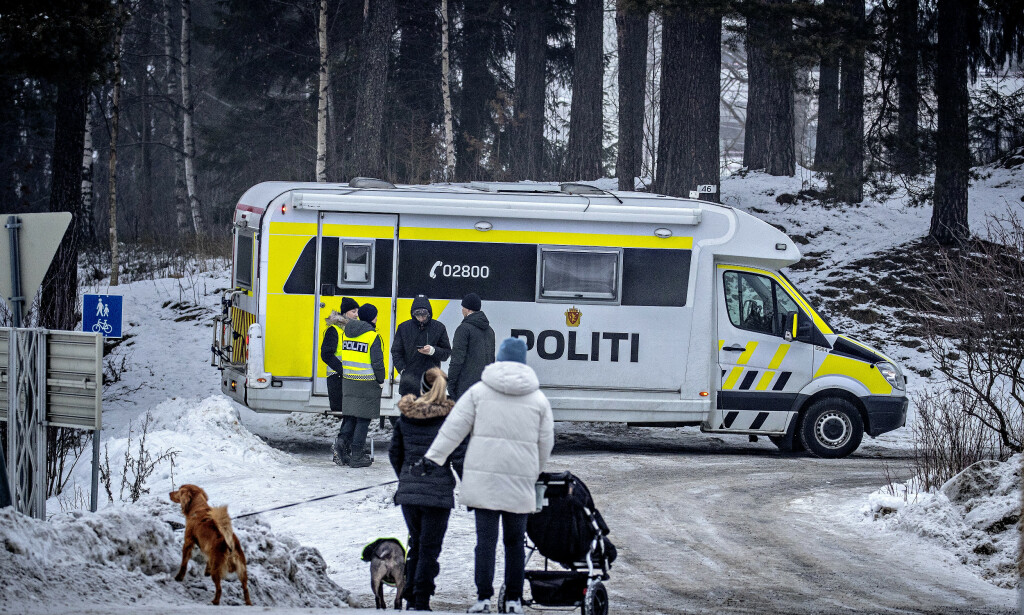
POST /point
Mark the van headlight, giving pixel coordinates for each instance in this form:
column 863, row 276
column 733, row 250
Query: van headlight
column 892, row 376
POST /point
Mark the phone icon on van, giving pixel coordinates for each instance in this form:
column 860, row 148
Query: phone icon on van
column 433, row 270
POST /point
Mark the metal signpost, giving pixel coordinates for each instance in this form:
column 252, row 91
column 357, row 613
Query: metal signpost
column 47, row 378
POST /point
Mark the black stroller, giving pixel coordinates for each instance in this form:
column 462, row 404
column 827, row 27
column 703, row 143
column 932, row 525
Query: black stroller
column 567, row 529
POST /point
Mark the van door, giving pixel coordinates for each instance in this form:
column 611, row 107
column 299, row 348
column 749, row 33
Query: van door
column 760, row 372
column 355, row 258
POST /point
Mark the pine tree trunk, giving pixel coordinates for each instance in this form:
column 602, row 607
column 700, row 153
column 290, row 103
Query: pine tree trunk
column 952, row 157
column 115, row 122
column 366, row 155
column 58, row 307
column 187, row 133
column 325, row 84
column 171, row 81
column 586, row 118
column 481, row 20
column 768, row 133
column 631, row 25
column 828, row 139
column 526, row 156
column 446, row 96
column 84, row 219
column 906, row 155
column 688, row 141
column 848, row 178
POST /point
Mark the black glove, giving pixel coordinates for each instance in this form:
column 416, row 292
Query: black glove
column 423, row 467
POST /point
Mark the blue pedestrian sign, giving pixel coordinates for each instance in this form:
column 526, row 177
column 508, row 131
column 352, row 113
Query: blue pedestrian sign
column 102, row 314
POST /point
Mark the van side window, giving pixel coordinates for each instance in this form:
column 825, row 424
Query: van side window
column 572, row 274
column 355, row 264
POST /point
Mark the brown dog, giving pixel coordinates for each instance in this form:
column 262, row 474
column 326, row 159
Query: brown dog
column 210, row 529
column 387, row 565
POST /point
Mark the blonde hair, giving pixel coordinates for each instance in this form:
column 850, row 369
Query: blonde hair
column 438, row 392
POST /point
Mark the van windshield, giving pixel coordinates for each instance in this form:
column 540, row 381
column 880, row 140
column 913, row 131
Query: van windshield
column 816, row 308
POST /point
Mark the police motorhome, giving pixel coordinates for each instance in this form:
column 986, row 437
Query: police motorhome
column 636, row 308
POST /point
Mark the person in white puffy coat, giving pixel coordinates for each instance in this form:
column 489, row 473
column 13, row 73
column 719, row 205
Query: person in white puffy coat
column 510, row 428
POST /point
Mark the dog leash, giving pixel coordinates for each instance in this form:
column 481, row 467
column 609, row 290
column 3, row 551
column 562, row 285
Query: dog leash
column 316, row 499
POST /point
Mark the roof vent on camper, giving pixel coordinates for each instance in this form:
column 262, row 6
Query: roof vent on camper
column 575, row 188
column 370, row 182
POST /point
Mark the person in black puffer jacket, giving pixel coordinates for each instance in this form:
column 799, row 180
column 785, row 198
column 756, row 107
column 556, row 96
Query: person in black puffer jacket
column 472, row 348
column 419, row 344
column 426, row 500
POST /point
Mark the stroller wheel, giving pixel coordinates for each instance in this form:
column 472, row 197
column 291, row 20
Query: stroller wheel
column 596, row 600
column 501, row 599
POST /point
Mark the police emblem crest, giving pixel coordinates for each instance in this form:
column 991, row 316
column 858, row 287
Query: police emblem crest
column 573, row 316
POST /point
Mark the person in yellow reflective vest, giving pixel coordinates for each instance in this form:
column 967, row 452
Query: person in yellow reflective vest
column 362, row 360
column 330, row 354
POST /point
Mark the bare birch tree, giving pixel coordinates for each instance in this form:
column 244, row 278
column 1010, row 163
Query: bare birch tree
column 171, row 80
column 85, row 216
column 325, row 84
column 446, row 95
column 187, row 132
column 115, row 117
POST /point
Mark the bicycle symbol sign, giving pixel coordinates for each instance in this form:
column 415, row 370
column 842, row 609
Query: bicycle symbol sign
column 102, row 314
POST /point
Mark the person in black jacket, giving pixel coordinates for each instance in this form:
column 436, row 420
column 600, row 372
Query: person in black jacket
column 333, row 333
column 419, row 344
column 472, row 347
column 427, row 499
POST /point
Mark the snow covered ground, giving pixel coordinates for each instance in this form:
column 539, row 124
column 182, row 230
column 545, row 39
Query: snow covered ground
column 125, row 555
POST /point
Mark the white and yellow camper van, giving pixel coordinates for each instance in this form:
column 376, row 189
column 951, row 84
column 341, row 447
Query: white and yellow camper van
column 635, row 307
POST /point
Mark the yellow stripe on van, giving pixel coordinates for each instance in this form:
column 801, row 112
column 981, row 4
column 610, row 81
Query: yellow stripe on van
column 293, row 228
column 766, row 380
column 780, row 354
column 544, row 237
column 734, row 375
column 862, row 372
column 796, row 296
column 359, row 231
column 745, row 356
column 720, row 344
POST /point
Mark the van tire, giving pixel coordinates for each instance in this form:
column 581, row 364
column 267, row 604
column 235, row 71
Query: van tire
column 832, row 428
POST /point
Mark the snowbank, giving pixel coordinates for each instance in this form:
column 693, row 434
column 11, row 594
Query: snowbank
column 129, row 554
column 974, row 515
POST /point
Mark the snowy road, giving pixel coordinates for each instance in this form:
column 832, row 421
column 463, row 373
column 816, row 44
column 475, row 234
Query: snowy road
column 706, row 525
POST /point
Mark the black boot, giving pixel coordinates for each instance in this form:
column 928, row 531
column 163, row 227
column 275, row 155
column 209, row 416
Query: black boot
column 360, row 459
column 342, row 454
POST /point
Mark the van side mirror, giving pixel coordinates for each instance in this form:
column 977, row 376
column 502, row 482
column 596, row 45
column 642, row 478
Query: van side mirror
column 798, row 327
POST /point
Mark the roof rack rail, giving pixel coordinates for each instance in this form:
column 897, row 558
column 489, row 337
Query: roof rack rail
column 577, row 188
column 370, row 182
column 513, row 187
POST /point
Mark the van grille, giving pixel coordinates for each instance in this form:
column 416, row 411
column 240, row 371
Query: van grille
column 240, row 321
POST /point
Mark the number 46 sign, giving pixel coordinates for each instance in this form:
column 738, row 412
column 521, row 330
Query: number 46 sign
column 102, row 314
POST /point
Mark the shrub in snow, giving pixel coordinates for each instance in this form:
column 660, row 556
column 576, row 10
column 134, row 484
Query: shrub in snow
column 974, row 515
column 128, row 554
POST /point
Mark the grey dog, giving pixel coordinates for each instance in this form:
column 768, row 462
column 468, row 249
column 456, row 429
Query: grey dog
column 387, row 565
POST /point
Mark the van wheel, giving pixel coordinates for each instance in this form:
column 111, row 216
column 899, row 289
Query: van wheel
column 832, row 428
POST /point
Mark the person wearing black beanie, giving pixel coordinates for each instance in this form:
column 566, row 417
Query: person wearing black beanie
column 329, row 354
column 362, row 357
column 472, row 347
